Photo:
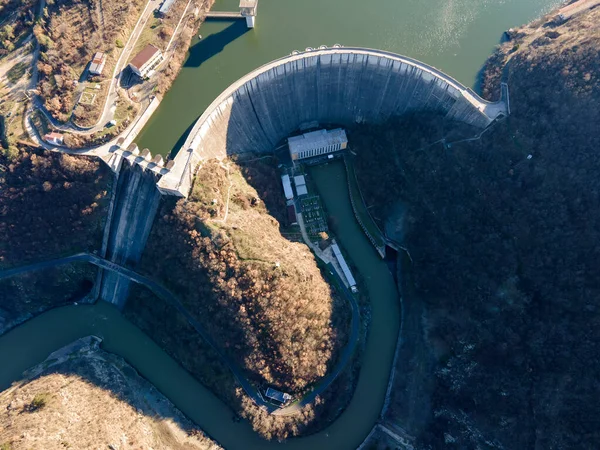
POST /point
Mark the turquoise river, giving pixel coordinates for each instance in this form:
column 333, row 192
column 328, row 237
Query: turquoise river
column 455, row 36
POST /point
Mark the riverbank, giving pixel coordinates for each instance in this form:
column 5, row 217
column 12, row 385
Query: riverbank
column 51, row 205
column 65, row 399
column 224, row 253
column 501, row 264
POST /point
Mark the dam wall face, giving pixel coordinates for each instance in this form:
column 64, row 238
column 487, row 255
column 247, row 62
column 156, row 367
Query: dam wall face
column 135, row 206
column 340, row 85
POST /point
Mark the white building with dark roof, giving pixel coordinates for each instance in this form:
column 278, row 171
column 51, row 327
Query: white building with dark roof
column 146, row 61
column 315, row 143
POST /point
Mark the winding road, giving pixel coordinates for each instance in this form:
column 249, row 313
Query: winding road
column 171, row 299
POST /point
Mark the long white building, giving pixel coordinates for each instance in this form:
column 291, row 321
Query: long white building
column 287, row 187
column 315, row 143
column 342, row 262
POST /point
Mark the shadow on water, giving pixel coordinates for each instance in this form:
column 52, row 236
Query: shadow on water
column 478, row 85
column 214, row 44
column 173, row 152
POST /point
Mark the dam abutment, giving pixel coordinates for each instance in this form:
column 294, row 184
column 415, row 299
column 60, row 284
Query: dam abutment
column 328, row 85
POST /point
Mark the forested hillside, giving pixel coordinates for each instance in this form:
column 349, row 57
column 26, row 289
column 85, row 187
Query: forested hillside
column 261, row 296
column 504, row 238
column 16, row 18
column 51, row 205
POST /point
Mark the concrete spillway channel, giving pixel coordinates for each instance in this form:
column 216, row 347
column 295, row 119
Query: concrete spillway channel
column 134, row 208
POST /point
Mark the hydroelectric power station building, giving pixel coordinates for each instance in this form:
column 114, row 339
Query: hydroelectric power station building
column 341, row 85
column 315, row 143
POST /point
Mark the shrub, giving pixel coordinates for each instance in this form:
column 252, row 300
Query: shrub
column 39, row 402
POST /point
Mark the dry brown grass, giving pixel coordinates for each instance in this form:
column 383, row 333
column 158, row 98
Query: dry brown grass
column 89, row 402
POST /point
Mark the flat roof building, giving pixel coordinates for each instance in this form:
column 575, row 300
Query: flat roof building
column 315, row 143
column 344, row 266
column 301, row 190
column 146, row 61
column 300, row 183
column 274, row 394
column 299, row 180
column 287, row 187
column 98, row 63
column 164, row 8
column 291, row 213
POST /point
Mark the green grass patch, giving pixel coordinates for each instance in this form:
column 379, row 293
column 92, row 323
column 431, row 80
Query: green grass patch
column 149, row 35
column 17, row 72
column 40, row 401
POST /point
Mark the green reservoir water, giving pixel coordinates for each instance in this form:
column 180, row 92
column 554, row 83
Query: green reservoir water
column 456, row 36
column 453, row 35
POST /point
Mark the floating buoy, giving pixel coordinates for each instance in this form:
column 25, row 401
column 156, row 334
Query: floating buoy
column 199, row 36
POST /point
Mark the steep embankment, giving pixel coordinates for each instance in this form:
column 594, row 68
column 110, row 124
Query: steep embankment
column 503, row 235
column 50, row 205
column 260, row 295
column 82, row 397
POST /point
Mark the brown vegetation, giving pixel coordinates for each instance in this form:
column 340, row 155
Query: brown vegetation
column 91, row 399
column 17, row 18
column 50, row 204
column 69, row 34
column 503, row 235
column 24, row 296
column 283, row 324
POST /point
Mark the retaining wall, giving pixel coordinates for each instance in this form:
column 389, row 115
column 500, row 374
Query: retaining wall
column 336, row 85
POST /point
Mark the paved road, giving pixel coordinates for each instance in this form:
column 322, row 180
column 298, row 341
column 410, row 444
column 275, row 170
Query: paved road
column 112, row 95
column 167, row 296
column 344, row 357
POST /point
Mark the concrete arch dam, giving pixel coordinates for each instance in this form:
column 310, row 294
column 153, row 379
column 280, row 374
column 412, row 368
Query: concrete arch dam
column 333, row 85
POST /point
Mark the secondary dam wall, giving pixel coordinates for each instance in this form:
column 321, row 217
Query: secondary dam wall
column 335, row 85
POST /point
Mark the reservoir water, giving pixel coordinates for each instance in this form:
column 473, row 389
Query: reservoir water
column 455, row 36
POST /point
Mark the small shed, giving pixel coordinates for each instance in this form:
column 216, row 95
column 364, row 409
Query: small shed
column 54, row 138
column 98, row 63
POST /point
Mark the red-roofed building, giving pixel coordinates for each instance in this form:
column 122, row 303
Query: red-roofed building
column 98, row 63
column 54, row 138
column 146, row 61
